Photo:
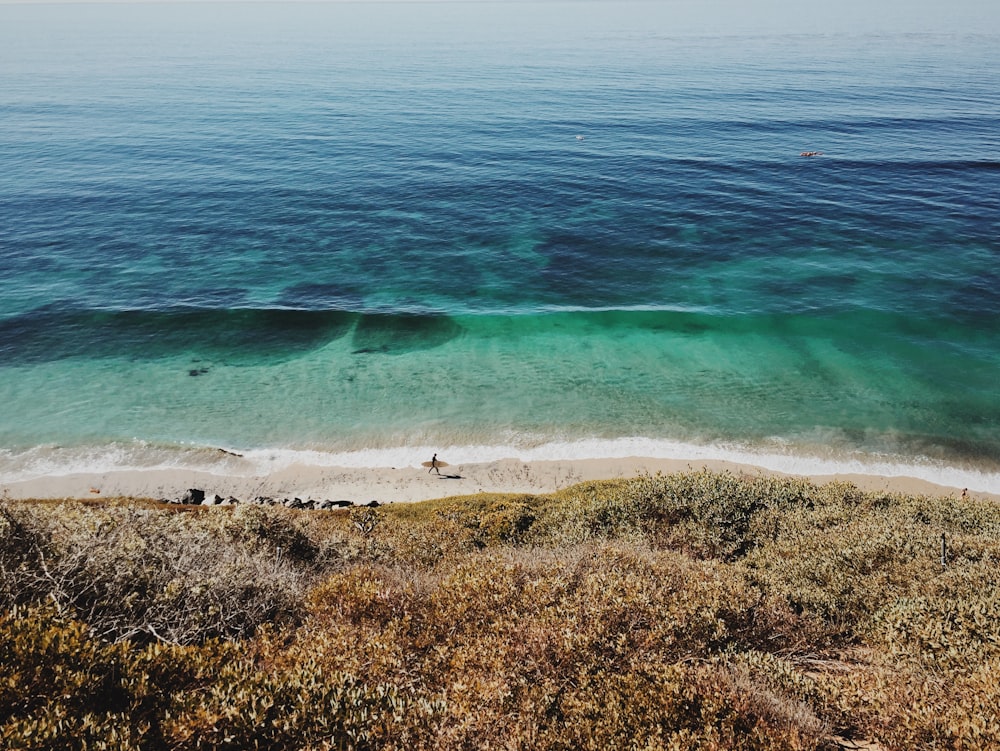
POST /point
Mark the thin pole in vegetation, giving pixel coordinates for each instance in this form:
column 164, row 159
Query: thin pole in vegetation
column 944, row 550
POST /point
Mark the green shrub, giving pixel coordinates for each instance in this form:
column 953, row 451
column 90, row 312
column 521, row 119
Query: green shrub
column 942, row 632
column 46, row 659
column 304, row 707
column 62, row 689
column 706, row 514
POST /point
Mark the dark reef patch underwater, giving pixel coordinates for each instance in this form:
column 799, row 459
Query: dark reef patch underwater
column 231, row 337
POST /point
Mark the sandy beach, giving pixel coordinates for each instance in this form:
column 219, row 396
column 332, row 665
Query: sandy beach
column 407, row 484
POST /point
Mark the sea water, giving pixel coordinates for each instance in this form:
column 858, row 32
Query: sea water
column 355, row 233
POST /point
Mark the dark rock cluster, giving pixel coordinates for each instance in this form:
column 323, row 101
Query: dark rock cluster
column 197, row 497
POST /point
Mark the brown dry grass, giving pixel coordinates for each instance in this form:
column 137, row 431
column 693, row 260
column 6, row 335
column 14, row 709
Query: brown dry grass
column 694, row 611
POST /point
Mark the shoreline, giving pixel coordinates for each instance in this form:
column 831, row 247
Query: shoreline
column 414, row 483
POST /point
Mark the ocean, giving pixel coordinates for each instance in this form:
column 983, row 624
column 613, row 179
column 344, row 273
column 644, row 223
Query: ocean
column 355, row 234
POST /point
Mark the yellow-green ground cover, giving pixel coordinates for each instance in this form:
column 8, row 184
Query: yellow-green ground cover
column 692, row 611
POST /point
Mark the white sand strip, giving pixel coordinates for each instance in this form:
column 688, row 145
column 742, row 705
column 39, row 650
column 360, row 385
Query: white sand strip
column 386, row 485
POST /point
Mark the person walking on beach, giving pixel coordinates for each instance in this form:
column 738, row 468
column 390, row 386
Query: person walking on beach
column 434, row 465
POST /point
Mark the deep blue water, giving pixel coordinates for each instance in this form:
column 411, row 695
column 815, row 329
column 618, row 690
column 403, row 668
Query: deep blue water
column 351, row 227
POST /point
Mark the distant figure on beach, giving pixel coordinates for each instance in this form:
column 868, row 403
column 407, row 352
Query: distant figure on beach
column 434, row 465
column 965, row 492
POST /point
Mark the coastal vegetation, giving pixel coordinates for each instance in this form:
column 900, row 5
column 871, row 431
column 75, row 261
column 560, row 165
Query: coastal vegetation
column 688, row 611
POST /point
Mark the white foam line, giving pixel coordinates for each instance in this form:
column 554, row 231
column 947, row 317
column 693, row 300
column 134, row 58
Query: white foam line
column 624, row 448
column 53, row 461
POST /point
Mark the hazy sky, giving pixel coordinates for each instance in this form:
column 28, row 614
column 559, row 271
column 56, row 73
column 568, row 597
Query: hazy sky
column 982, row 16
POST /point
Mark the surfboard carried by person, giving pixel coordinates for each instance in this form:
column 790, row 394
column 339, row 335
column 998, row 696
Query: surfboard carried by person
column 435, row 464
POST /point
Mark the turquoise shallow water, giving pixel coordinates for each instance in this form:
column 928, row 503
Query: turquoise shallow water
column 353, row 233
